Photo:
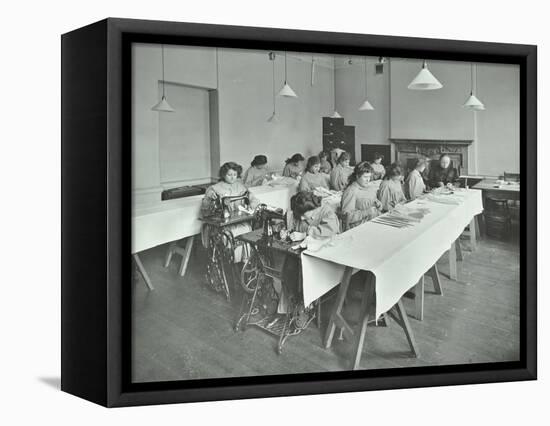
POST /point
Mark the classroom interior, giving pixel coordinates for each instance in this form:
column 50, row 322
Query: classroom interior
column 226, row 107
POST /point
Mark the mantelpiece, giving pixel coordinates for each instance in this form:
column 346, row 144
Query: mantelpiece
column 407, row 150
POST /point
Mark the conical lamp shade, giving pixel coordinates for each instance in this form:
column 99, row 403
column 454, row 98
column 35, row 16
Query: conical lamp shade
column 163, row 106
column 473, row 103
column 273, row 118
column 335, row 115
column 366, row 106
column 425, row 80
column 287, row 91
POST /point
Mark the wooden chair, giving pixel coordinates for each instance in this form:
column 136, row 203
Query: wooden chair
column 511, row 177
column 497, row 217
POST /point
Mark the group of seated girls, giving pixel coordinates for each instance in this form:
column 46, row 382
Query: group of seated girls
column 440, row 174
column 319, row 171
column 394, row 189
column 308, row 216
column 361, row 200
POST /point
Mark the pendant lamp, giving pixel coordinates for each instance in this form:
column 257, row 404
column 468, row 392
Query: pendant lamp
column 163, row 105
column 473, row 103
column 335, row 113
column 425, row 80
column 366, row 106
column 273, row 117
column 286, row 90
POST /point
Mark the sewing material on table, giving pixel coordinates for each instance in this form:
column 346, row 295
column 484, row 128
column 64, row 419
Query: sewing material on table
column 402, row 216
column 324, row 192
column 443, row 199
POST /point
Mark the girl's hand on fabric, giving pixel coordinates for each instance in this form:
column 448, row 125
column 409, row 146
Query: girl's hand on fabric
column 297, row 236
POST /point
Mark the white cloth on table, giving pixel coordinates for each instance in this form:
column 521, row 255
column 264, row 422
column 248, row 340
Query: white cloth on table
column 171, row 220
column 398, row 257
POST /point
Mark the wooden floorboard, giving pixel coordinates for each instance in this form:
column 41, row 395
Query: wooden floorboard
column 183, row 330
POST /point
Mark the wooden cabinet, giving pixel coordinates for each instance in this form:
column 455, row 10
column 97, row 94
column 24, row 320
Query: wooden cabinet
column 337, row 135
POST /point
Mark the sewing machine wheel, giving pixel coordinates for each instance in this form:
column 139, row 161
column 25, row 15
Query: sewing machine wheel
column 216, row 274
column 220, row 261
column 250, row 273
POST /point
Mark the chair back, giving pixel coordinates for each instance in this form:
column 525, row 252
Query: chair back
column 511, row 177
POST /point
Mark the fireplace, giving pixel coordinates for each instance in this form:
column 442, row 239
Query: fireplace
column 408, row 150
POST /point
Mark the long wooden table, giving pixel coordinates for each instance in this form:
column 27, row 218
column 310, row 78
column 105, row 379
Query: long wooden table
column 173, row 220
column 394, row 259
column 491, row 187
column 497, row 190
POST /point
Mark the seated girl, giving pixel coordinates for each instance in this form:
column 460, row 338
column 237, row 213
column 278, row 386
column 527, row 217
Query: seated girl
column 359, row 203
column 228, row 185
column 414, row 185
column 294, row 166
column 340, row 174
column 313, row 178
column 257, row 172
column 390, row 193
column 308, row 216
column 377, row 167
column 326, row 167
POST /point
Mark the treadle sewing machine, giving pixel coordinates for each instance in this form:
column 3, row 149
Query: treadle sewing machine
column 224, row 215
column 262, row 274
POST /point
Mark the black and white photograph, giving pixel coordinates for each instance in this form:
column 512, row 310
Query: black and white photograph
column 297, row 212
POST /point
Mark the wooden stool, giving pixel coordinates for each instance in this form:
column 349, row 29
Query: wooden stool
column 184, row 252
column 368, row 303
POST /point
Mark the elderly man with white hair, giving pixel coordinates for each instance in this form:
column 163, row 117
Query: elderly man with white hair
column 442, row 173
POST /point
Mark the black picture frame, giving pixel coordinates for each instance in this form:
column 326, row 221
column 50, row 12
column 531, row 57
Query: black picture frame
column 96, row 259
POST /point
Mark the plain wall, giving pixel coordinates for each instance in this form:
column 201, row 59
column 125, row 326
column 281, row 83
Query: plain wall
column 371, row 127
column 498, row 126
column 246, row 102
column 191, row 66
column 242, row 91
column 188, row 125
column 244, row 95
column 430, row 114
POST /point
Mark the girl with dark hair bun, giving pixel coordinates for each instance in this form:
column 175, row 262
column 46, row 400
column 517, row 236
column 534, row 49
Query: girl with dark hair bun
column 312, row 178
column 228, row 185
column 308, row 215
column 294, row 166
column 257, row 173
column 326, row 167
column 340, row 173
column 359, row 203
column 414, row 185
column 378, row 168
column 390, row 193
